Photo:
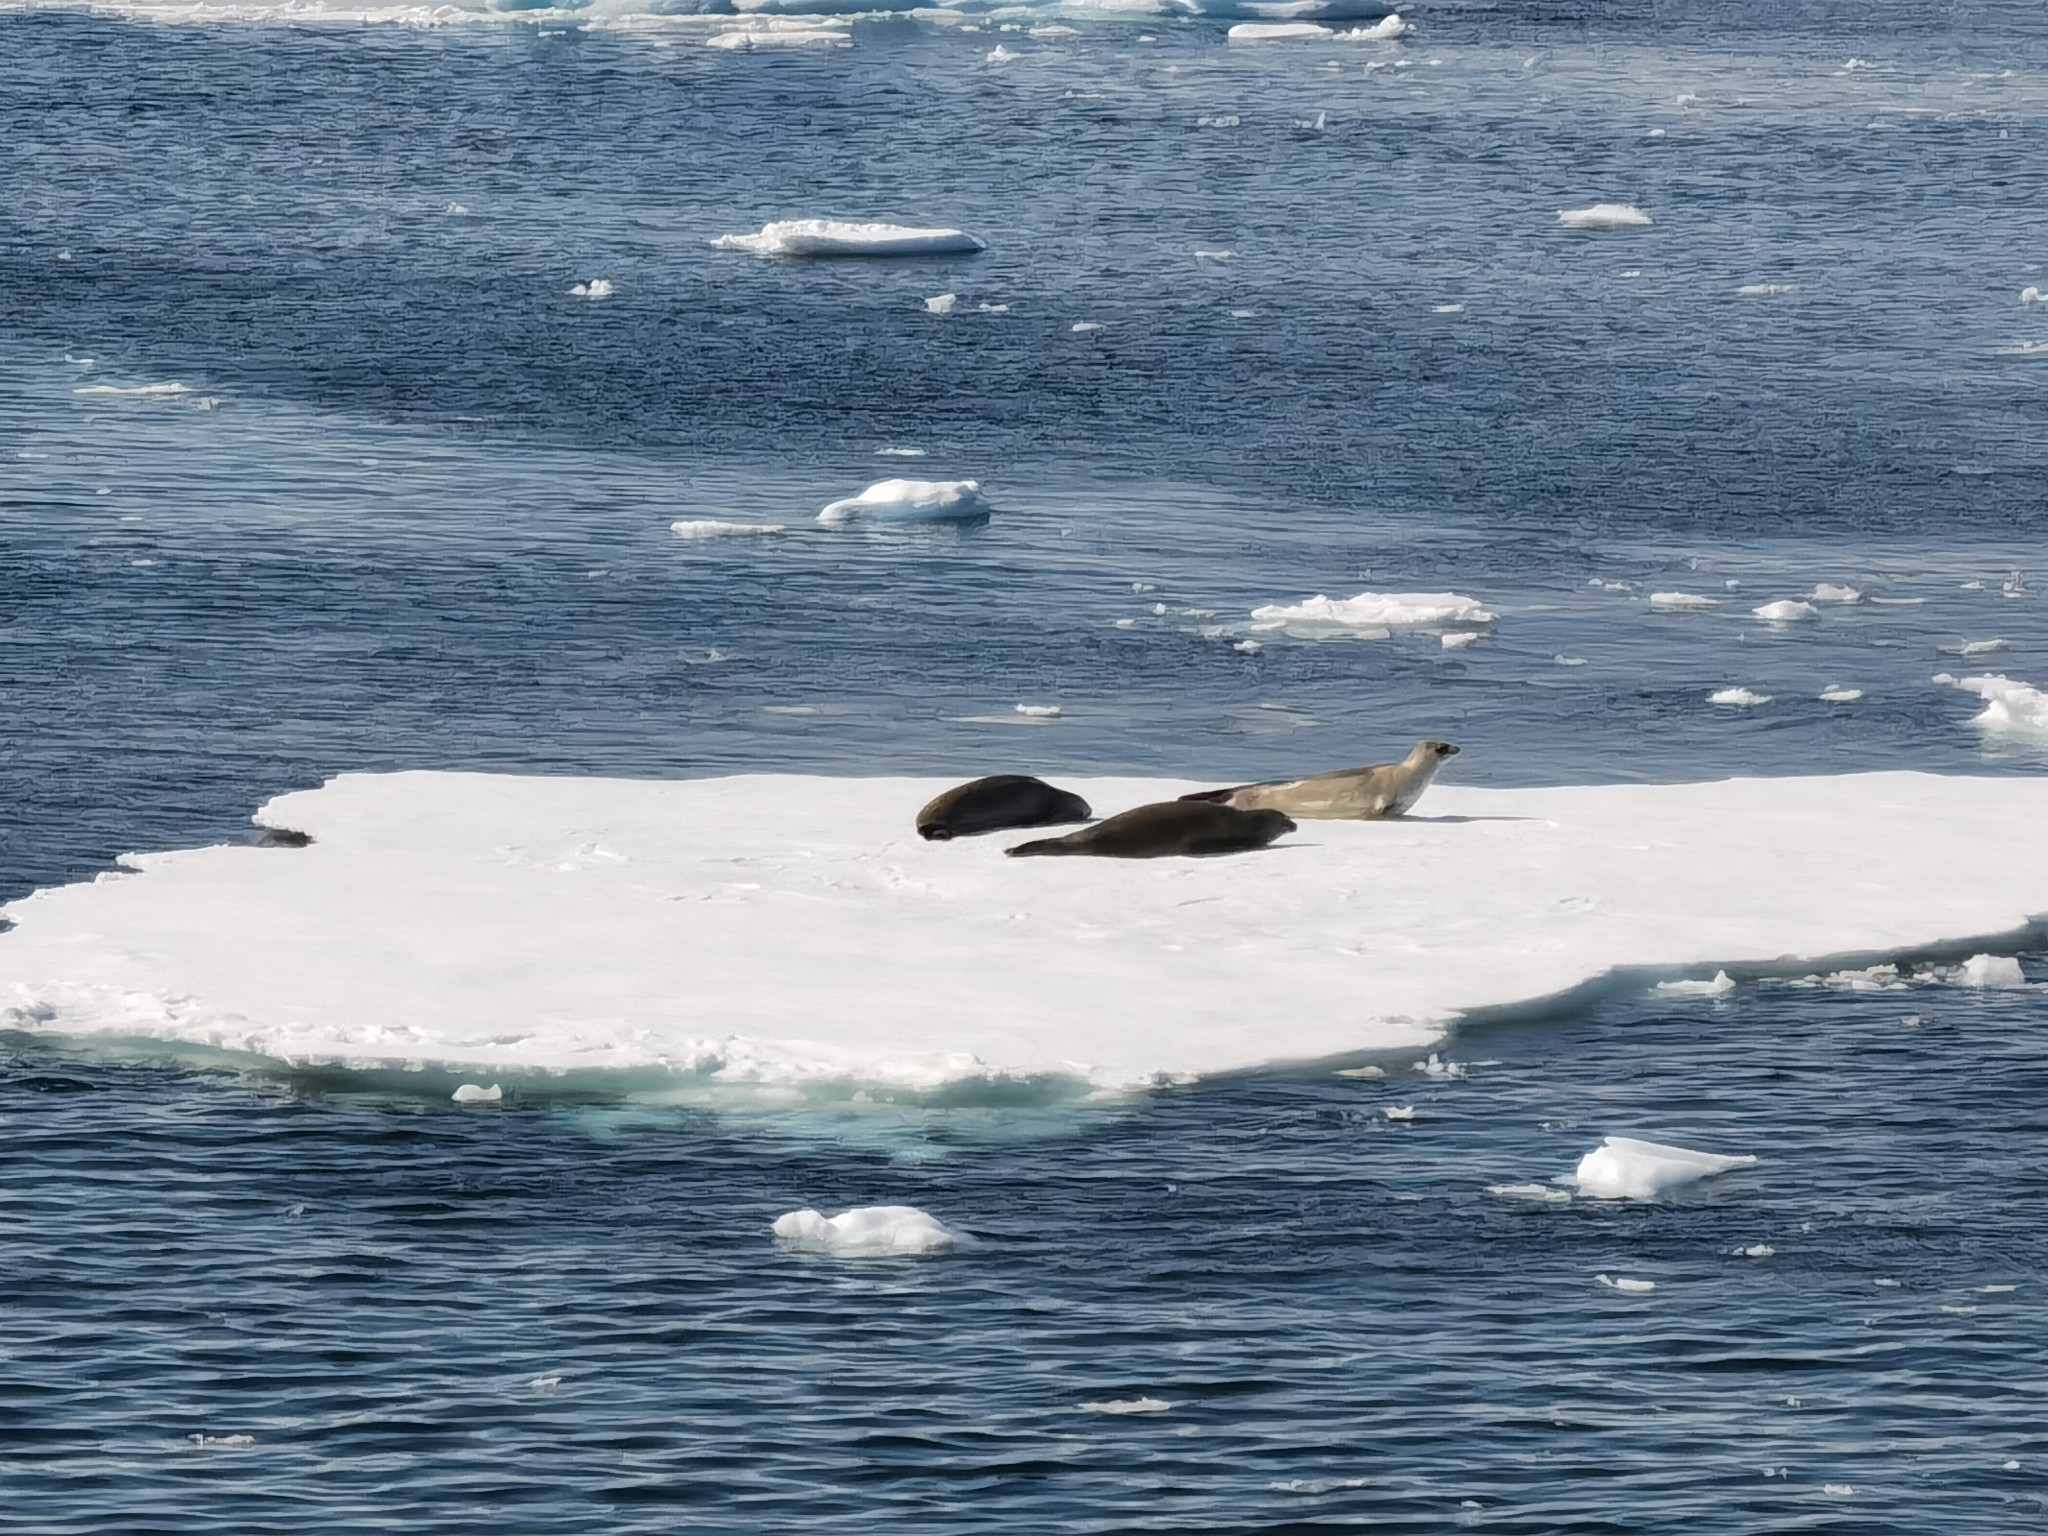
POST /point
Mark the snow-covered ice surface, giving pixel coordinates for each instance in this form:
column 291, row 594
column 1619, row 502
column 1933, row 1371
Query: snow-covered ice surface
column 910, row 501
column 1371, row 612
column 842, row 237
column 775, row 928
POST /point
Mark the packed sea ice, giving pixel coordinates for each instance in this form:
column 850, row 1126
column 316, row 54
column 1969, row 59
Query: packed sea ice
column 910, row 501
column 840, row 237
column 866, row 1231
column 1623, row 1168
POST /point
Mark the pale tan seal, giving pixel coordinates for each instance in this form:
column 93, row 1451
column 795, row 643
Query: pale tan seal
column 1351, row 794
column 1169, row 829
column 997, row 804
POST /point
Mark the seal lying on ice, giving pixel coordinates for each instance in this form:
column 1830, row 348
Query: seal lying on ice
column 1168, row 829
column 997, row 803
column 1351, row 794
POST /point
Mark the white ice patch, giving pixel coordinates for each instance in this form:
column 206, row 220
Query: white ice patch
column 1674, row 601
column 1840, row 695
column 1625, row 1283
column 1374, row 611
column 866, row 1231
column 1622, row 1168
column 1279, row 32
column 910, row 501
column 759, row 35
column 596, row 288
column 1739, row 698
column 1980, row 647
column 489, row 924
column 1994, row 973
column 942, row 303
column 839, row 237
column 138, row 391
column 1828, row 592
column 1385, row 30
column 1756, row 1251
column 1763, row 290
column 1039, row 711
column 1720, row 986
column 2032, row 295
column 712, row 528
column 1458, row 640
column 476, row 1093
column 1129, row 1405
column 1786, row 611
column 1605, row 216
column 2011, row 707
column 1535, row 1194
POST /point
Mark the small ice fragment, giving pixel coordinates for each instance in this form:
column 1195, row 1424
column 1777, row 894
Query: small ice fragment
column 1786, row 611
column 1633, row 272
column 1682, row 600
column 1214, row 255
column 1539, row 1194
column 1125, row 623
column 1604, row 216
column 1248, row 647
column 1384, row 30
column 1278, row 32
column 476, row 1093
column 1836, row 695
column 1739, row 698
column 841, row 237
column 1996, row 973
column 1996, row 1290
column 1000, row 55
column 1458, row 639
column 1224, row 120
column 2015, row 585
column 941, row 303
column 1056, row 29
column 1763, row 290
column 910, row 501
column 1083, row 327
column 1039, row 711
column 2032, row 295
column 1838, row 1490
column 1828, row 592
column 456, row 210
column 1159, row 610
column 1980, row 647
column 1401, row 1112
column 1436, row 1066
column 1447, row 309
column 1129, row 1405
column 222, row 1442
column 1569, row 661
column 2012, row 1466
column 137, row 390
column 1625, row 1283
column 1889, row 1285
column 865, row 1230
column 1720, row 986
column 596, row 288
column 1623, row 1168
column 1756, row 1251
column 1370, row 1073
column 993, row 309
column 1376, row 610
column 543, row 1384
column 711, row 528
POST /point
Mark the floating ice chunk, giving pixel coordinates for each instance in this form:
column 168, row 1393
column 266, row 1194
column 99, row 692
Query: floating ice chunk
column 1458, row 639
column 1129, row 1405
column 1436, row 1066
column 711, row 528
column 1739, row 698
column 1248, row 647
column 1278, row 32
column 1625, row 1283
column 1401, row 1112
column 1216, row 254
column 992, row 309
column 2010, row 706
column 1763, row 290
column 1313, row 1485
column 818, row 35
column 1605, row 216
column 2025, row 349
column 596, row 288
column 1756, row 1251
column 1083, row 327
column 544, row 1384
column 1839, row 1490
column 1385, row 30
column 1994, row 973
column 1835, row 695
column 1622, row 1168
column 841, row 237
column 2015, row 585
column 1721, row 985
column 910, row 501
column 1372, row 1074
column 866, row 1230
column 476, row 1093
column 942, row 303
column 1979, row 647
column 2032, row 295
column 1222, row 120
column 1375, row 611
column 1001, row 55
column 136, row 390
column 1828, row 592
column 1680, row 600
column 1447, row 309
column 222, row 1442
column 1786, row 611
column 456, row 211
column 1537, row 1194
column 1039, row 711
column 1568, row 661
column 899, row 453
column 1055, row 30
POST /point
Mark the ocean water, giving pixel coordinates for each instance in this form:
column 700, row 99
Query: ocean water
column 412, row 508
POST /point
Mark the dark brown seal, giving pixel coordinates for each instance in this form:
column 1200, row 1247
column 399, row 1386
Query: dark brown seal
column 997, row 803
column 1170, row 829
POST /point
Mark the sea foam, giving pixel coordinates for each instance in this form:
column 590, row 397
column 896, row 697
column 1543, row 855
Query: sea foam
column 838, row 237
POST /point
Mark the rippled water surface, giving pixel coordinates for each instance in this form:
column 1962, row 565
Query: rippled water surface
column 413, row 507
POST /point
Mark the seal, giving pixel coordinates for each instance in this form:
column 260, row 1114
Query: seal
column 997, row 803
column 1350, row 794
column 1169, row 829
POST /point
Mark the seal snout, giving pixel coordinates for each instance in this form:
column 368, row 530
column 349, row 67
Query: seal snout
column 935, row 834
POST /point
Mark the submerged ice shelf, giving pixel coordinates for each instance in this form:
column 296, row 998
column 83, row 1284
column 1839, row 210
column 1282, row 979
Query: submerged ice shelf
column 781, row 928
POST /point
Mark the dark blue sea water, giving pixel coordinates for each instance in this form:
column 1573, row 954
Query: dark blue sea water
column 413, row 511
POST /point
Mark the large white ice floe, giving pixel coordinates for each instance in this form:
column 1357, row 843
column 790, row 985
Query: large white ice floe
column 866, row 1231
column 840, row 237
column 1374, row 613
column 1622, row 1168
column 788, row 929
column 1605, row 216
column 2011, row 707
column 910, row 501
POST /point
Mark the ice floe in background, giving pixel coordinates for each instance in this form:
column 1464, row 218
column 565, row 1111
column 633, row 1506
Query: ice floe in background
column 1786, row 611
column 1374, row 614
column 792, row 930
column 1720, row 986
column 777, row 32
column 910, row 501
column 839, row 237
column 1605, row 216
column 866, row 1231
column 1623, row 1168
column 477, row 1093
column 712, row 528
column 1303, row 30
column 136, row 391
column 2010, row 706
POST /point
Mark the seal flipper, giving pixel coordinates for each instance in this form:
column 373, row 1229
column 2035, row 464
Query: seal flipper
column 1216, row 796
column 1043, row 845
